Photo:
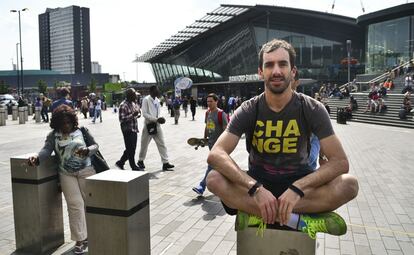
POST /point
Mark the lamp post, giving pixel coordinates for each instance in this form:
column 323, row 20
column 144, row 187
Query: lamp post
column 21, row 53
column 136, row 59
column 17, row 68
column 348, row 48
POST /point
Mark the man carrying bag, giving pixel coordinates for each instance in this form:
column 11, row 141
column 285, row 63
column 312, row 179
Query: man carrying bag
column 152, row 129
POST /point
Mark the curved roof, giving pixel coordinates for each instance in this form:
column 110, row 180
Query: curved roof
column 228, row 13
column 387, row 14
column 211, row 20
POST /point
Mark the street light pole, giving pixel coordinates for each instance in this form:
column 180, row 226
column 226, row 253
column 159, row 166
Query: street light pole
column 17, row 68
column 136, row 56
column 21, row 52
column 348, row 48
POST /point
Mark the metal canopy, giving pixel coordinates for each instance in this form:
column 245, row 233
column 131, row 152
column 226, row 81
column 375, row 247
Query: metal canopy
column 220, row 15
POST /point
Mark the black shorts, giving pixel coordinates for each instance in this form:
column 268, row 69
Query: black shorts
column 277, row 189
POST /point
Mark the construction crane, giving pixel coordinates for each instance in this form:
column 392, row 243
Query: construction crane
column 362, row 6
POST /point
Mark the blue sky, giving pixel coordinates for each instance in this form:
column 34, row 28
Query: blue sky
column 123, row 28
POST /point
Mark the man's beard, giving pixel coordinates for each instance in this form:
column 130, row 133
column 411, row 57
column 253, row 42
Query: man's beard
column 280, row 89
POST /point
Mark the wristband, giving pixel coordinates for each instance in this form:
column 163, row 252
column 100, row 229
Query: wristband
column 254, row 188
column 297, row 190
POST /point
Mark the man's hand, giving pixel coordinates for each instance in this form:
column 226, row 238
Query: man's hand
column 267, row 204
column 287, row 202
column 33, row 161
column 161, row 120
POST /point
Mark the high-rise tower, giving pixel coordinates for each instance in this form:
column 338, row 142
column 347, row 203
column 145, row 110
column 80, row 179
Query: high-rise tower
column 64, row 40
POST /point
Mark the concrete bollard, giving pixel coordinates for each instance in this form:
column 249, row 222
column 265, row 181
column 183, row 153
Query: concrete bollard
column 118, row 202
column 26, row 113
column 30, row 108
column 6, row 113
column 15, row 112
column 22, row 118
column 3, row 113
column 37, row 206
column 274, row 241
column 37, row 113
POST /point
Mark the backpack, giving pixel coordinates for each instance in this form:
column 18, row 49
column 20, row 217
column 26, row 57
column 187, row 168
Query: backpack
column 219, row 116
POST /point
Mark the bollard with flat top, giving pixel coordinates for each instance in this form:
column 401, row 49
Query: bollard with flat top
column 15, row 112
column 2, row 116
column 37, row 113
column 22, row 118
column 26, row 113
column 117, row 213
column 30, row 109
column 274, row 241
column 37, row 206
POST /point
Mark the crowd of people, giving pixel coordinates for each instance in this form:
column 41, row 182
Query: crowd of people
column 297, row 173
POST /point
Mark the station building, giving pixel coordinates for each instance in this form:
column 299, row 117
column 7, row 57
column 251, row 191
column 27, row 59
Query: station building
column 219, row 52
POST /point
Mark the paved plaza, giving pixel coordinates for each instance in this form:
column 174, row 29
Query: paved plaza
column 380, row 220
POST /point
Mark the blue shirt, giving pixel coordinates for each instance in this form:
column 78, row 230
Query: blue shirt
column 314, row 152
column 60, row 101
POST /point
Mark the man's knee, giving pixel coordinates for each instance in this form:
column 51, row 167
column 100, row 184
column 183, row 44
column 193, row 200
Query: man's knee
column 214, row 181
column 350, row 186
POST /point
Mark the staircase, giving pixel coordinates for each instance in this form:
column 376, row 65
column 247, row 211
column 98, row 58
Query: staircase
column 388, row 118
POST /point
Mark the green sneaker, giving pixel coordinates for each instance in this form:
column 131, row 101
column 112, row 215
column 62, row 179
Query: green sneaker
column 244, row 220
column 330, row 223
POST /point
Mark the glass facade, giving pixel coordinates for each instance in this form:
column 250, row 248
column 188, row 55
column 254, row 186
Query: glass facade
column 388, row 44
column 232, row 48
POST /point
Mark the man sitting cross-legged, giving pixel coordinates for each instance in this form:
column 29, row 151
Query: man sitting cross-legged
column 279, row 185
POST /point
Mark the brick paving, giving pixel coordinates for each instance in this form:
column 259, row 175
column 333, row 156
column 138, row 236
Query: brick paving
column 380, row 219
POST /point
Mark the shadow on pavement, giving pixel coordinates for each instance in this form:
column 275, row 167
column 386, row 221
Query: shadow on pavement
column 210, row 204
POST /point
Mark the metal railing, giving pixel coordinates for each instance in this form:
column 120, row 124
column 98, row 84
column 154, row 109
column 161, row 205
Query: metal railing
column 364, row 85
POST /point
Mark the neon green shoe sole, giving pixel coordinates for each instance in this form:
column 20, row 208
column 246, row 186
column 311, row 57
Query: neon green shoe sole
column 244, row 220
column 329, row 223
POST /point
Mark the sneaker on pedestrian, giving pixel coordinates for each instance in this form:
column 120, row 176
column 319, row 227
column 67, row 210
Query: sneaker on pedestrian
column 167, row 167
column 137, row 168
column 120, row 165
column 140, row 164
column 330, row 223
column 199, row 190
column 80, row 248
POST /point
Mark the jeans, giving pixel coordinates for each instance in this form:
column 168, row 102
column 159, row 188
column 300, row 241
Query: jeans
column 44, row 114
column 209, row 168
column 98, row 112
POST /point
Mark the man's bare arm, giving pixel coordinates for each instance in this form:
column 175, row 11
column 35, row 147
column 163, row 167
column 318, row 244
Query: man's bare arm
column 336, row 165
column 219, row 158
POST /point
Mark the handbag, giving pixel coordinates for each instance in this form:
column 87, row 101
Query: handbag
column 152, row 128
column 97, row 159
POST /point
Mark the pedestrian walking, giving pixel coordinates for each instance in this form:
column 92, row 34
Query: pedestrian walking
column 216, row 121
column 193, row 105
column 129, row 111
column 152, row 129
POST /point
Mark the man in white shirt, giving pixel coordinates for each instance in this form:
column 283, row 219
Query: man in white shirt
column 152, row 129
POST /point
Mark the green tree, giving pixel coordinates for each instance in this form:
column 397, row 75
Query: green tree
column 4, row 89
column 41, row 86
column 92, row 85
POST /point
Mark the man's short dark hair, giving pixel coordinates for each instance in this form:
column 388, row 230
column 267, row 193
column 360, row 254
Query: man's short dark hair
column 130, row 95
column 274, row 45
column 153, row 88
column 213, row 95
